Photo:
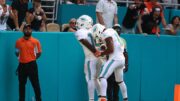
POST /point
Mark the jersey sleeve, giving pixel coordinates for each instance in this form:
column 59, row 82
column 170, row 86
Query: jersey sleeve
column 39, row 49
column 99, row 6
column 80, row 35
column 106, row 34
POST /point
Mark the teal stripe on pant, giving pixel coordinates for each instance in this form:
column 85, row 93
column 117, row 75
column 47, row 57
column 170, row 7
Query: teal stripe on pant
column 107, row 68
column 89, row 70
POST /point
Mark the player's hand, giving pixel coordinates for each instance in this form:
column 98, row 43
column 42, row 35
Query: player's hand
column 126, row 68
column 97, row 53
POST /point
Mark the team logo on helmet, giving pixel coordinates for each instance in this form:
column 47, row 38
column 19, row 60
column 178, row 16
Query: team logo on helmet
column 97, row 30
column 84, row 22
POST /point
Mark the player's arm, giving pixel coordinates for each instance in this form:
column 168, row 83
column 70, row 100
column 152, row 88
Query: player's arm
column 110, row 47
column 126, row 60
column 88, row 45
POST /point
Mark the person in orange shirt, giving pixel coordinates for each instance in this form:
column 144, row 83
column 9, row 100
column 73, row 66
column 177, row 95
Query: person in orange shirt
column 154, row 3
column 28, row 49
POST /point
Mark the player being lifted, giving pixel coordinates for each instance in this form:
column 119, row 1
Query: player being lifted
column 116, row 62
column 83, row 34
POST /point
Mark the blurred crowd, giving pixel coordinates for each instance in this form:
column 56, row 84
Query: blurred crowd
column 142, row 17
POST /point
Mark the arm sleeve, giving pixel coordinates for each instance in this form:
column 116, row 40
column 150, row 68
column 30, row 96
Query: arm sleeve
column 79, row 35
column 106, row 34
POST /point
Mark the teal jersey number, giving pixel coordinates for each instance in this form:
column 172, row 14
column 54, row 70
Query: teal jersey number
column 91, row 38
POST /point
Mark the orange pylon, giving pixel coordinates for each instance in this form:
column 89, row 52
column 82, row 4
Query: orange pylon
column 177, row 93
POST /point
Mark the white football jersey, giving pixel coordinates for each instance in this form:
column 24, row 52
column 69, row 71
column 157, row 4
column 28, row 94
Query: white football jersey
column 118, row 43
column 87, row 35
column 3, row 20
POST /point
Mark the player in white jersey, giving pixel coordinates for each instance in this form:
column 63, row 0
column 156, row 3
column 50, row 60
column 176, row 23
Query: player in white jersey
column 84, row 35
column 116, row 62
column 5, row 13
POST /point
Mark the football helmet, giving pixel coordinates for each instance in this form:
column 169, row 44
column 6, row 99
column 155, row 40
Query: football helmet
column 97, row 29
column 84, row 22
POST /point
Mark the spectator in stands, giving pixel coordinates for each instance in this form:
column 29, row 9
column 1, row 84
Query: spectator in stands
column 149, row 23
column 131, row 17
column 19, row 9
column 150, row 5
column 5, row 13
column 170, row 2
column 79, row 2
column 174, row 26
column 71, row 27
column 36, row 17
column 106, row 12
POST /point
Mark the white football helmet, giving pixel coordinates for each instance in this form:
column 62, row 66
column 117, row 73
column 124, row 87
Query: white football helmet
column 97, row 29
column 84, row 22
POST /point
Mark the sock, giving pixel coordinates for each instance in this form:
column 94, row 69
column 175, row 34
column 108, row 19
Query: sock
column 91, row 89
column 97, row 86
column 103, row 86
column 123, row 89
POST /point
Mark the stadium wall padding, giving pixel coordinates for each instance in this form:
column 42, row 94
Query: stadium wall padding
column 154, row 67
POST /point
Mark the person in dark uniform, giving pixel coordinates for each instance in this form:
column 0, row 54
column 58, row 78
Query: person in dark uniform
column 28, row 50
